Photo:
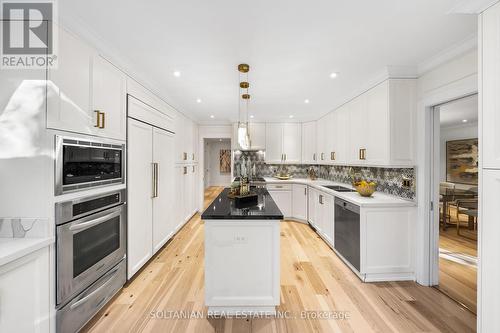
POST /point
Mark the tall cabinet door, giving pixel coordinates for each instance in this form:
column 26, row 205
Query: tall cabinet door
column 292, row 142
column 140, row 191
column 163, row 201
column 491, row 87
column 309, row 142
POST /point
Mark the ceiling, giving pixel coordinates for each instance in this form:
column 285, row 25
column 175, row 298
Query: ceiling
column 291, row 46
column 454, row 113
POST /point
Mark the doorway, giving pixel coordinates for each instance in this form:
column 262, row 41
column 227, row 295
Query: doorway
column 217, row 162
column 455, row 186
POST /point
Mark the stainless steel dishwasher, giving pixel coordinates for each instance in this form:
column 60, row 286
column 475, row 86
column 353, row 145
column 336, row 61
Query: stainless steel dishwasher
column 347, row 231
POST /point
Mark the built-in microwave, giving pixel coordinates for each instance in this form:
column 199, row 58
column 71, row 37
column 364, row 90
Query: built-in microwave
column 83, row 163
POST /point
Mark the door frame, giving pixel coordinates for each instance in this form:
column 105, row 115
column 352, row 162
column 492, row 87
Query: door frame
column 427, row 257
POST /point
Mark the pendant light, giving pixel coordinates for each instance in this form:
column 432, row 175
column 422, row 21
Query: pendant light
column 243, row 97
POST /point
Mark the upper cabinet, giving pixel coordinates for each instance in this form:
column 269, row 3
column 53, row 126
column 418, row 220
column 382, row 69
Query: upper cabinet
column 381, row 125
column 283, row 143
column 490, row 87
column 86, row 93
column 186, row 139
column 309, row 154
column 257, row 133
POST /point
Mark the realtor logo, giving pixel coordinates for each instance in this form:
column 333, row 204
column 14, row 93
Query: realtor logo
column 27, row 34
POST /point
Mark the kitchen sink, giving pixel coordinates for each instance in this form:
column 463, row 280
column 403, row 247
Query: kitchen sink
column 339, row 188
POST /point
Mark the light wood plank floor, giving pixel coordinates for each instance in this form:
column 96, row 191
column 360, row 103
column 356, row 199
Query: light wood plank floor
column 312, row 279
column 457, row 280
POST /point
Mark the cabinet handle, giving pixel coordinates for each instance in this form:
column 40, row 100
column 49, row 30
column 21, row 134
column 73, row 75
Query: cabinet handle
column 305, row 190
column 154, row 169
column 184, row 156
column 314, row 157
column 332, row 156
column 320, row 199
column 193, row 168
column 285, row 157
column 193, row 156
column 279, row 186
column 362, row 154
column 185, row 170
column 98, row 118
column 322, row 156
column 103, row 114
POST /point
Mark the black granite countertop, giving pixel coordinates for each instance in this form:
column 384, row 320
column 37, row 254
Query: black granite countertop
column 223, row 208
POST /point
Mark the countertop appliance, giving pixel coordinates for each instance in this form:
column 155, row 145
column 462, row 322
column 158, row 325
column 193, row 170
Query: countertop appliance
column 256, row 182
column 90, row 252
column 347, row 233
column 83, row 163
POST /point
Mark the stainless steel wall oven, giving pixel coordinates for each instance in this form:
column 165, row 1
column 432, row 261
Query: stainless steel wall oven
column 90, row 245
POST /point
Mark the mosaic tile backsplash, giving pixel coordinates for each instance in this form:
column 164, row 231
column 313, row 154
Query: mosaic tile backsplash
column 389, row 180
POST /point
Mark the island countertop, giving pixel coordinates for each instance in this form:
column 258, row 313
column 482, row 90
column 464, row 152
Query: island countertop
column 223, row 208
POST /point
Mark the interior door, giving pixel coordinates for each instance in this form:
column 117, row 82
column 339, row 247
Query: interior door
column 140, row 190
column 163, row 201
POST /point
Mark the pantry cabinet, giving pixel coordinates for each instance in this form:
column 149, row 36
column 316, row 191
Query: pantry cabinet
column 283, row 143
column 86, row 93
column 186, row 140
column 150, row 193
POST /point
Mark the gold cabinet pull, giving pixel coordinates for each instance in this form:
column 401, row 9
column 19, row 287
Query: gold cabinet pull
column 362, row 154
column 185, row 170
column 322, row 156
column 184, row 156
column 98, row 118
column 332, row 156
column 314, row 157
column 193, row 156
column 103, row 120
column 154, row 171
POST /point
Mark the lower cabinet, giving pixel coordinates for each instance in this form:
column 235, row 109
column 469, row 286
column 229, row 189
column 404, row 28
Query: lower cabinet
column 299, row 202
column 186, row 194
column 25, row 294
column 150, row 191
column 321, row 214
column 282, row 195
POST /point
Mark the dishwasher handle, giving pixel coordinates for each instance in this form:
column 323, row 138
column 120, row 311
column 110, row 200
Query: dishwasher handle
column 347, row 205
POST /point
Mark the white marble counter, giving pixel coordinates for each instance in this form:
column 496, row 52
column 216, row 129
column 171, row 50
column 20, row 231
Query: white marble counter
column 14, row 248
column 378, row 199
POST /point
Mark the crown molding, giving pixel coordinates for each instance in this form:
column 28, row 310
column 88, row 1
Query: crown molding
column 448, row 54
column 471, row 6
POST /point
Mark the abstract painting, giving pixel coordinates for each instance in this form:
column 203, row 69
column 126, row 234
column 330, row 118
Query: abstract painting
column 462, row 161
column 225, row 160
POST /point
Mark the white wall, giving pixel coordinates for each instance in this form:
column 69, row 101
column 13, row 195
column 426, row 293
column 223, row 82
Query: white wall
column 468, row 131
column 215, row 177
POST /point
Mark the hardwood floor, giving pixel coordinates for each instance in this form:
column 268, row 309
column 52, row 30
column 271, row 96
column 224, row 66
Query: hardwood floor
column 456, row 279
column 313, row 282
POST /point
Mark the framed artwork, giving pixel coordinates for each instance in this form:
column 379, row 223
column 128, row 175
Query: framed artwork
column 462, row 161
column 225, row 160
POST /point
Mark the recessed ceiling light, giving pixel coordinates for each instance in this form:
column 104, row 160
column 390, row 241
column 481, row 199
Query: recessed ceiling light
column 464, row 120
column 334, row 75
column 220, row 140
column 198, row 100
column 177, row 73
column 212, row 116
column 306, row 101
column 290, row 116
column 251, row 116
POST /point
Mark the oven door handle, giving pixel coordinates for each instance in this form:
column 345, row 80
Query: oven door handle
column 84, row 299
column 86, row 225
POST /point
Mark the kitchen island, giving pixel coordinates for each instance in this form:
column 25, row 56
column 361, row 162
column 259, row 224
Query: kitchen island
column 242, row 256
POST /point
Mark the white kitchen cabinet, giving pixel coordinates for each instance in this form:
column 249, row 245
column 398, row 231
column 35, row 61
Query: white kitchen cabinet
column 180, row 181
column 163, row 203
column 381, row 124
column 257, row 136
column 68, row 95
column 299, row 201
column 282, row 196
column 340, row 135
column 327, row 206
column 151, row 194
column 490, row 96
column 329, row 138
column 309, row 154
column 312, row 206
column 109, row 99
column 186, row 140
column 86, row 94
column 283, row 143
column 321, row 145
column 25, row 294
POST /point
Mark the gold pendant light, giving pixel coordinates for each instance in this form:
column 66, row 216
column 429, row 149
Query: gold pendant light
column 243, row 128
